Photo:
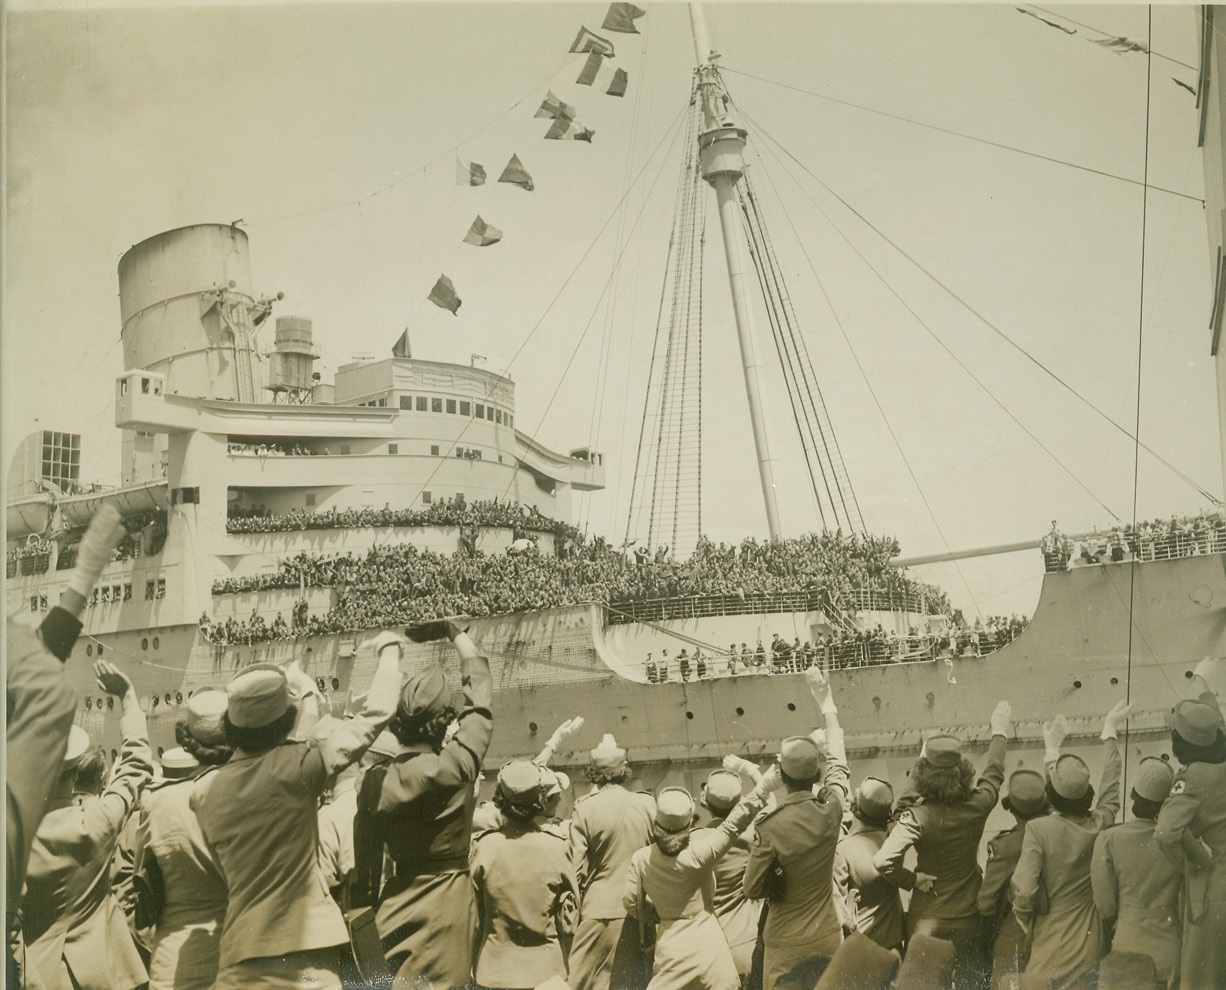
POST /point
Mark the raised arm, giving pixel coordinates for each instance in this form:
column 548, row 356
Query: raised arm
column 711, row 846
column 134, row 768
column 560, row 735
column 993, row 774
column 1108, row 804
column 837, row 777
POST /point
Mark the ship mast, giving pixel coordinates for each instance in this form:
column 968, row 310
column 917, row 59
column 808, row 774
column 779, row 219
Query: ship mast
column 722, row 144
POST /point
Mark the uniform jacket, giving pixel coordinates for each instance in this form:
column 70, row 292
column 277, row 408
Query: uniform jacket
column 1195, row 813
column 74, row 929
column 738, row 916
column 605, row 830
column 336, row 833
column 878, row 904
column 1138, row 885
column 526, row 901
column 801, row 835
column 40, row 705
column 1055, row 867
column 188, row 933
column 259, row 813
column 946, row 840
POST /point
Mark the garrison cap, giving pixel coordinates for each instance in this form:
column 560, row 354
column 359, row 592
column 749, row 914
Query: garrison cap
column 943, row 751
column 1027, row 793
column 257, row 696
column 723, row 789
column 1195, row 721
column 519, row 782
column 555, row 782
column 608, row 755
column 1154, row 779
column 178, row 762
column 874, row 797
column 674, row 809
column 424, row 695
column 800, row 758
column 205, row 709
column 78, row 743
column 1070, row 777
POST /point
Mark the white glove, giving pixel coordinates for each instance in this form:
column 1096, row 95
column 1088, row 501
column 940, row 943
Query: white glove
column 299, row 682
column 1115, row 720
column 819, row 737
column 384, row 640
column 819, row 687
column 97, row 548
column 767, row 784
column 1001, row 720
column 738, row 764
column 1054, row 733
column 567, row 728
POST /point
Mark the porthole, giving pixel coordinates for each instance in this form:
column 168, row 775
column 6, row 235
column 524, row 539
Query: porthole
column 144, row 643
column 336, row 683
column 791, row 706
column 89, row 649
column 1114, row 681
column 319, row 683
column 1167, row 757
column 154, row 701
column 156, row 642
column 167, row 698
column 740, row 711
column 99, row 649
column 1187, row 674
column 89, row 704
column 1076, row 684
column 689, row 714
column 178, row 697
column 110, row 702
column 532, row 727
column 99, row 704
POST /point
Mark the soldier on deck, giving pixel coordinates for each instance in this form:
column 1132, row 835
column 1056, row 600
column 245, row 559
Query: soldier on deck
column 792, row 859
column 1135, row 884
column 878, row 906
column 683, row 664
column 605, row 830
column 1191, row 828
column 1008, row 945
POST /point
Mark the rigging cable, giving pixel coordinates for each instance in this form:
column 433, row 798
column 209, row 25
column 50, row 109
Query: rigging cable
column 968, row 137
column 1200, row 490
column 1136, row 461
column 957, row 360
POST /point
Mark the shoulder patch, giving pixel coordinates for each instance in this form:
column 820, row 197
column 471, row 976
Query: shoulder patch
column 1179, row 787
column 908, row 818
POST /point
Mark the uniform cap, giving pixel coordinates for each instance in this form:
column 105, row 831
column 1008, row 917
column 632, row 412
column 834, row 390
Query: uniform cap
column 1196, row 722
column 78, row 743
column 178, row 759
column 723, row 789
column 1070, row 777
column 519, row 783
column 257, row 696
column 1154, row 779
column 608, row 755
column 554, row 782
column 800, row 758
column 674, row 809
column 943, row 751
column 205, row 709
column 424, row 695
column 1027, row 793
column 875, row 798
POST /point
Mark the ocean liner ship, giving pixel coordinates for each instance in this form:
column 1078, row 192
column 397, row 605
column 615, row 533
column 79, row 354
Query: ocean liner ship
column 215, row 432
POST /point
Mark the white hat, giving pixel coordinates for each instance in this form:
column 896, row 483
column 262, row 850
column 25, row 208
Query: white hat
column 78, row 743
column 257, row 696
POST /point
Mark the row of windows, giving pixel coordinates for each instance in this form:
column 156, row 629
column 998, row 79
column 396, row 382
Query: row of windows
column 177, row 698
column 108, row 594
column 455, row 407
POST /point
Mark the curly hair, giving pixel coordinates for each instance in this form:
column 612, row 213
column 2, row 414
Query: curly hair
column 1187, row 753
column 602, row 776
column 943, row 785
column 261, row 738
column 206, row 754
column 669, row 843
column 519, row 812
column 431, row 731
column 1145, row 808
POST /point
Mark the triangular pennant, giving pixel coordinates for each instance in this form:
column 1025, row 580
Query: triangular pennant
column 468, row 173
column 586, row 41
column 551, row 106
column 443, row 294
column 621, row 18
column 598, row 73
column 402, row 348
column 568, row 129
column 482, row 234
column 516, row 174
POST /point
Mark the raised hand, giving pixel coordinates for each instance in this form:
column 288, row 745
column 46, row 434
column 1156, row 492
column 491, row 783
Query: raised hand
column 1001, row 718
column 111, row 679
column 819, row 687
column 565, row 730
column 768, row 781
column 1115, row 720
column 1054, row 734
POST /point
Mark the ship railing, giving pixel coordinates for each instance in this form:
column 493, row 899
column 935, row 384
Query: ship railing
column 1170, row 546
column 709, row 606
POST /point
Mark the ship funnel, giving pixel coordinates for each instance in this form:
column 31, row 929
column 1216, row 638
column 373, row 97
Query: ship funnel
column 188, row 312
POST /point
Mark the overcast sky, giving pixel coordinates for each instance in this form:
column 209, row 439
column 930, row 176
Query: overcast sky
column 332, row 132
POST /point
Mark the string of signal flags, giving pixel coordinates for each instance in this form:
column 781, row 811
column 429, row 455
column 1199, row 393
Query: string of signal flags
column 598, row 72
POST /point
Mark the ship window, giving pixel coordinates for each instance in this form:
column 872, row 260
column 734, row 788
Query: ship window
column 167, row 698
column 110, row 702
column 310, row 500
column 421, row 403
column 480, row 411
column 161, row 587
column 383, row 401
column 99, row 649
column 426, row 498
column 436, row 405
column 89, row 649
column 434, row 449
column 144, row 643
column 149, row 586
column 406, row 402
column 451, row 406
column 393, row 448
column 335, row 683
column 156, row 642
column 127, row 595
column 465, row 408
column 498, row 416
column 34, row 603
column 89, row 704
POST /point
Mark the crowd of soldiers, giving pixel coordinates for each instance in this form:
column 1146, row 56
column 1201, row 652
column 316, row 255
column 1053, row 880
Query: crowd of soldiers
column 282, row 846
